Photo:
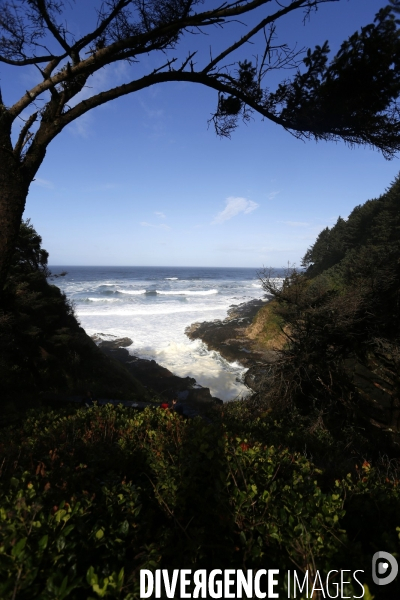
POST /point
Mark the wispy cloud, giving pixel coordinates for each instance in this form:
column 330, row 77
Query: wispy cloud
column 156, row 226
column 82, row 126
column 234, row 206
column 108, row 76
column 45, row 183
column 154, row 120
column 152, row 113
column 272, row 195
column 160, row 215
column 295, row 223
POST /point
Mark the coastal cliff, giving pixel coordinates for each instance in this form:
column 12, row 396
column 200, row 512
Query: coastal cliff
column 327, row 347
column 232, row 336
column 252, row 335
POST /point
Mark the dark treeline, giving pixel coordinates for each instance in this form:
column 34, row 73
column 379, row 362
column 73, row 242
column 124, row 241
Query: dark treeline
column 363, row 254
column 341, row 361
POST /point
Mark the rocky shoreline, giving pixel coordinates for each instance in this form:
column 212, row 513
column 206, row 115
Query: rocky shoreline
column 166, row 386
column 230, row 336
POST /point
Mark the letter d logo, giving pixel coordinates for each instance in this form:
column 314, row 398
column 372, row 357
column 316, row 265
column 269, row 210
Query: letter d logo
column 380, row 568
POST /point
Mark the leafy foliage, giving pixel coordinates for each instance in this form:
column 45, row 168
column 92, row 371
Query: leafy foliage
column 89, row 497
column 365, row 72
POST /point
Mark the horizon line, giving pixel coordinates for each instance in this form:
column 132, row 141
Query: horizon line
column 162, row 266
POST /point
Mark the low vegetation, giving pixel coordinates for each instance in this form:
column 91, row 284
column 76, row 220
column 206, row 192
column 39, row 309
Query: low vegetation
column 303, row 475
column 89, row 497
column 266, row 328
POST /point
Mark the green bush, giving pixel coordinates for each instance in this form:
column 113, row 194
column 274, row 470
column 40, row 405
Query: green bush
column 90, row 497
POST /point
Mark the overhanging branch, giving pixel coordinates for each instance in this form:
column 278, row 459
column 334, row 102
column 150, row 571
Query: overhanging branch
column 267, row 21
column 22, row 138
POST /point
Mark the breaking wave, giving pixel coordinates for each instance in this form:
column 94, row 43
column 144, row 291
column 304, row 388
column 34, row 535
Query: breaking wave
column 132, row 292
column 187, row 292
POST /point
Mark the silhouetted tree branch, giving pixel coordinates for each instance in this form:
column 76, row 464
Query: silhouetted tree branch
column 352, row 98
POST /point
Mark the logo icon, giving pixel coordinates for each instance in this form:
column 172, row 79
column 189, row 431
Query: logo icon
column 384, row 568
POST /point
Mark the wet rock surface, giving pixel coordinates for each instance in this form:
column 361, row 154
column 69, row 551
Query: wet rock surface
column 229, row 337
column 112, row 344
column 166, row 386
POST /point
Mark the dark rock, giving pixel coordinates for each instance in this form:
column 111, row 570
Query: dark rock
column 217, row 400
column 256, row 375
column 165, row 385
column 199, row 395
column 118, row 343
column 229, row 337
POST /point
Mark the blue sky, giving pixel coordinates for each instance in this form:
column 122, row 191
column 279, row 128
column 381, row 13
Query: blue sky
column 144, row 181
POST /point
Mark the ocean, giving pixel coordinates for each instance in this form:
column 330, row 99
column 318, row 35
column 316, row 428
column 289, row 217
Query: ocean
column 154, row 305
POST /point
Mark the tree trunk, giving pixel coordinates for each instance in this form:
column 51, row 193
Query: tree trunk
column 14, row 186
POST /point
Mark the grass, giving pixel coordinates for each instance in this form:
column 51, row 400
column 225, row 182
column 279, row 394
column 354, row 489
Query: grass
column 266, row 328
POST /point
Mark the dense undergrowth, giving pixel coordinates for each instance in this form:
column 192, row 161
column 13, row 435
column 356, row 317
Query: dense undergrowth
column 91, row 496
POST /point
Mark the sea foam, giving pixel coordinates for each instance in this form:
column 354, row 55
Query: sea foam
column 187, row 292
column 132, row 292
column 154, row 305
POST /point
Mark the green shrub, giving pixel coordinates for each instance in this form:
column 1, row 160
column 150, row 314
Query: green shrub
column 89, row 497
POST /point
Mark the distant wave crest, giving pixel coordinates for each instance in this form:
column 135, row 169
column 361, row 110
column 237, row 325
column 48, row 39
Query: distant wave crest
column 132, row 292
column 101, row 299
column 187, row 293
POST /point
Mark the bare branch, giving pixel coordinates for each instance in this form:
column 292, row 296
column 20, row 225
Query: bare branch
column 189, row 59
column 155, row 39
column 51, row 129
column 22, row 138
column 158, row 27
column 52, row 27
column 27, row 61
column 267, row 21
column 104, row 23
